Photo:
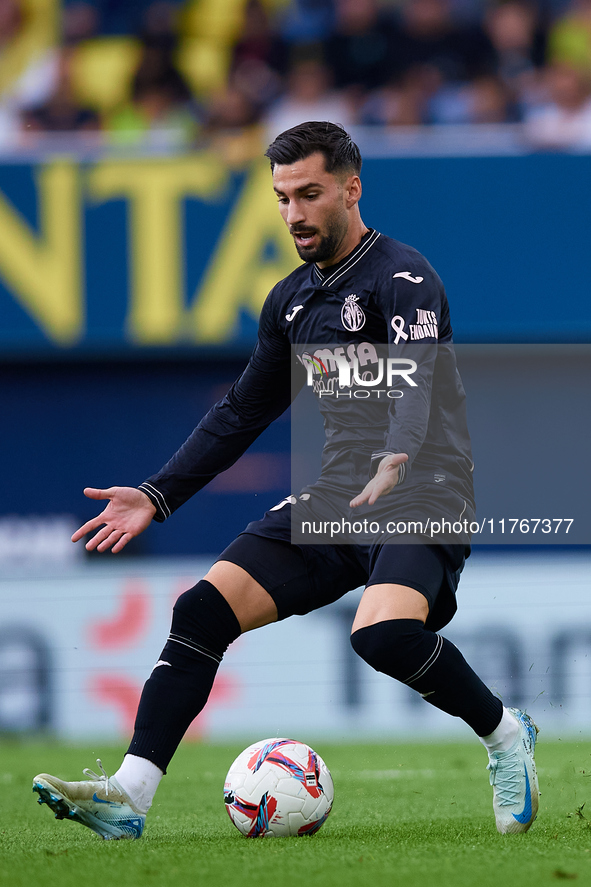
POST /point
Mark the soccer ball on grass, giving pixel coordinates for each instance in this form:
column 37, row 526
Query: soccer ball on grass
column 278, row 788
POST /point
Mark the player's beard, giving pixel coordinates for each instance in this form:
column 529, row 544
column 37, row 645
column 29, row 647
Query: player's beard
column 328, row 243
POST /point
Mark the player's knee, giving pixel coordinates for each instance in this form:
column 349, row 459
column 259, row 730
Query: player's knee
column 201, row 616
column 388, row 646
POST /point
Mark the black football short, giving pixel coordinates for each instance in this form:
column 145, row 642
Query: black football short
column 302, row 578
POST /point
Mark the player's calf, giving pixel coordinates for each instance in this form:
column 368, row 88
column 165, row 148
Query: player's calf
column 431, row 665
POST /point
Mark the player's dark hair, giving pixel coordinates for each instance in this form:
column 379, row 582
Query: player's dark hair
column 341, row 154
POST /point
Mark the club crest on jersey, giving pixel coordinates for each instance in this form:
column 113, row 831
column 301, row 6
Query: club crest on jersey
column 352, row 314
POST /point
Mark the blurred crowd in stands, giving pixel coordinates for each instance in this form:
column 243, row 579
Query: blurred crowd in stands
column 230, row 72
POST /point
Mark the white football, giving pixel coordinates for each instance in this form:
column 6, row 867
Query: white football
column 278, row 788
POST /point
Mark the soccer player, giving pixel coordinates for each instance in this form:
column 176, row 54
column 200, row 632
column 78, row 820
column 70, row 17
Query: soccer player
column 399, row 455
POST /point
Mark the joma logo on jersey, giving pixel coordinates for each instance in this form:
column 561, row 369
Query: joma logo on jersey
column 352, row 314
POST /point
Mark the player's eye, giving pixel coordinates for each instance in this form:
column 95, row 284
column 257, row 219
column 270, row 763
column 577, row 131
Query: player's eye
column 311, row 196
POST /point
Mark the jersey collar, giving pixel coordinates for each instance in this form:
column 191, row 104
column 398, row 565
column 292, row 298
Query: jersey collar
column 329, row 276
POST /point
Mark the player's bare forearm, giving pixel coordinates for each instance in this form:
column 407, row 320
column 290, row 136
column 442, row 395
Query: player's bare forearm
column 384, row 481
column 128, row 513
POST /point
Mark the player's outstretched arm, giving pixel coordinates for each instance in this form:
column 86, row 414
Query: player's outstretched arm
column 128, row 514
column 385, row 479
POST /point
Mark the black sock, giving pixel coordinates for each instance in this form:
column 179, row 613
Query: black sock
column 203, row 627
column 432, row 665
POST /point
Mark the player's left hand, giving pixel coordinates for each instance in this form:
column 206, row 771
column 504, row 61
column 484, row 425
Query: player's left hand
column 385, row 479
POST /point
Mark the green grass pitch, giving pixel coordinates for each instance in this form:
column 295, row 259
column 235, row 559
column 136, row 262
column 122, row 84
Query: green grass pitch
column 403, row 815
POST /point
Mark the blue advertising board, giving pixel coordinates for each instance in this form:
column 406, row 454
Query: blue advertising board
column 146, row 256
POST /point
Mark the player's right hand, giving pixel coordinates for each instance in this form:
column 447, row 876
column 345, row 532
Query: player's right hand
column 128, row 514
column 383, row 482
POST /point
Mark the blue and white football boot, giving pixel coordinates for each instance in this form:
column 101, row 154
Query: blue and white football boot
column 98, row 802
column 514, row 779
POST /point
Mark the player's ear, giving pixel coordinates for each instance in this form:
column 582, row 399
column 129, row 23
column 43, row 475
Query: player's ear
column 352, row 190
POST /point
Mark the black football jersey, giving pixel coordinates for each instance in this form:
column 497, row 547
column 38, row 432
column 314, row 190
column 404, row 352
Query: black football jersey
column 372, row 337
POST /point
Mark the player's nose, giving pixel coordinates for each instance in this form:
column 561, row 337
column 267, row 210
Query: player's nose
column 295, row 214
